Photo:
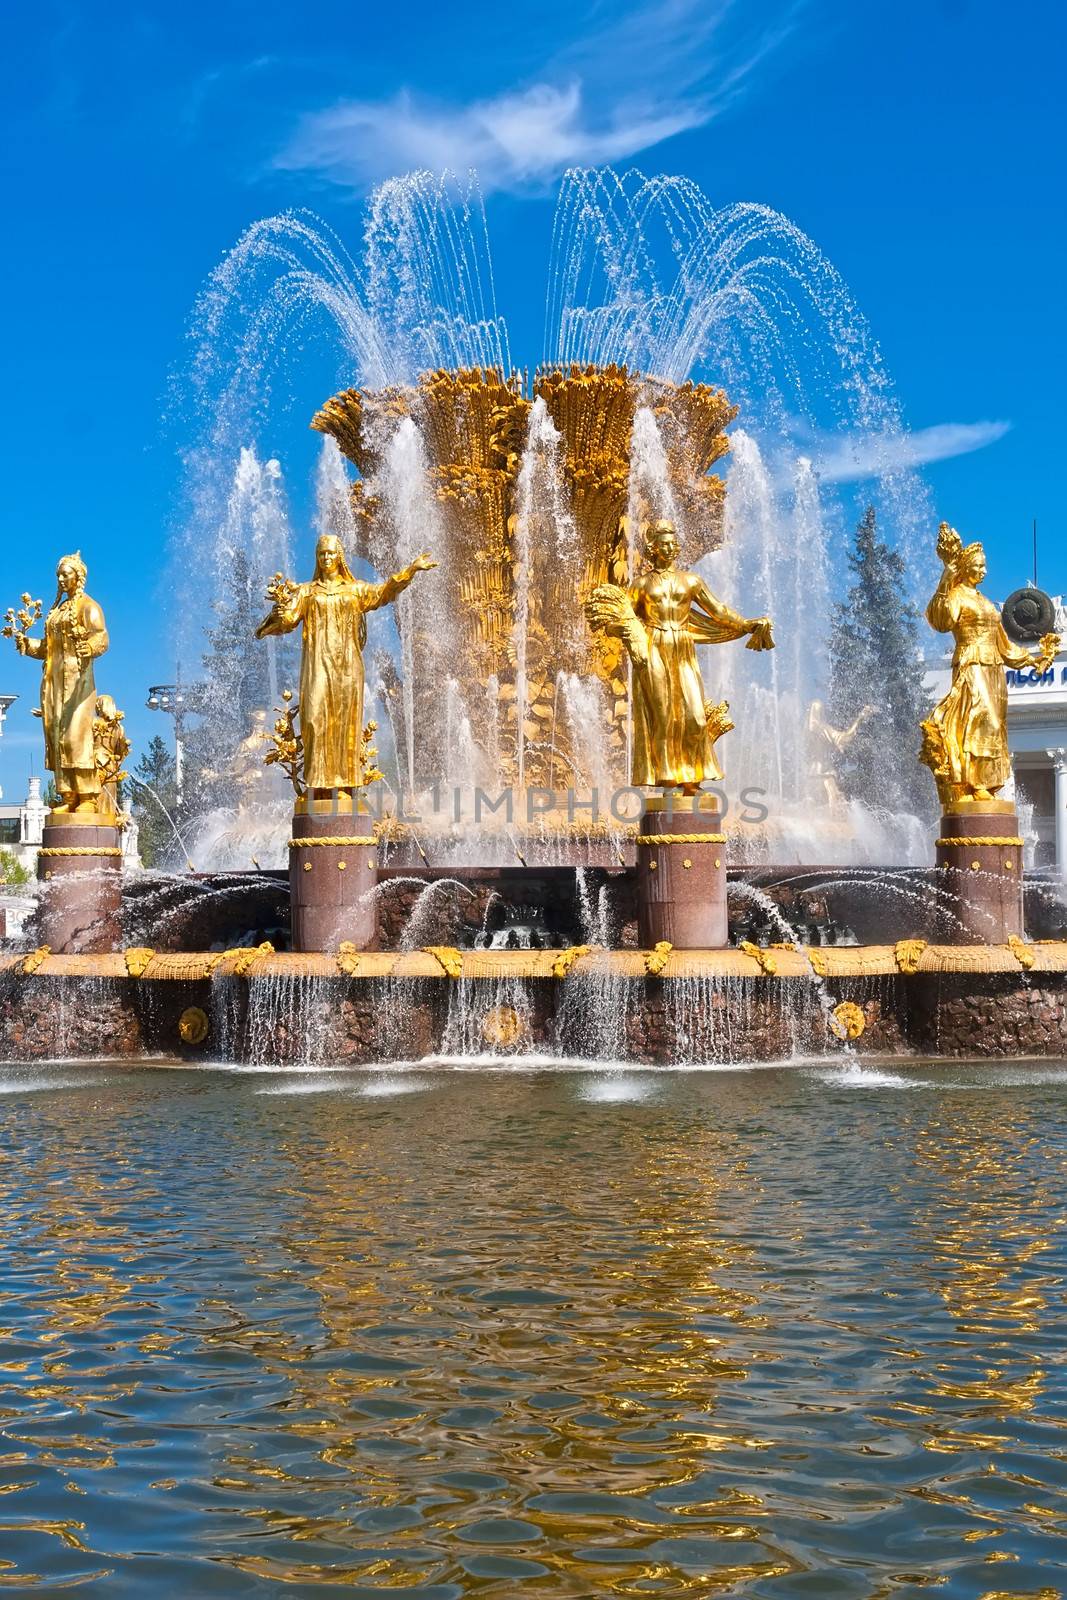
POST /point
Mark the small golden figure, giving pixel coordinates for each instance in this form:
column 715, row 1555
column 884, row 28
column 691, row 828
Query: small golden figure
column 661, row 618
column 965, row 739
column 111, row 747
column 826, row 747
column 74, row 636
column 332, row 611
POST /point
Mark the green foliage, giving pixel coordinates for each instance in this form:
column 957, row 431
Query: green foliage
column 155, row 793
column 876, row 660
column 12, row 873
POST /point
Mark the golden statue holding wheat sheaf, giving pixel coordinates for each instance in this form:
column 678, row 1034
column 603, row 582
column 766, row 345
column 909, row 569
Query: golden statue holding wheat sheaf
column 661, row 618
column 965, row 739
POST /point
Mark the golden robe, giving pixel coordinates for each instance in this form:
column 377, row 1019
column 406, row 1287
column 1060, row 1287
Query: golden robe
column 670, row 732
column 68, row 690
column 331, row 673
column 973, row 717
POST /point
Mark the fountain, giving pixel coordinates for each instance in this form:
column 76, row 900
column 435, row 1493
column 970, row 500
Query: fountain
column 509, row 829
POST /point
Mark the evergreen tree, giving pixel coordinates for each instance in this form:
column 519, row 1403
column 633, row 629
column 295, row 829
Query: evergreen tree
column 235, row 683
column 155, row 794
column 876, row 660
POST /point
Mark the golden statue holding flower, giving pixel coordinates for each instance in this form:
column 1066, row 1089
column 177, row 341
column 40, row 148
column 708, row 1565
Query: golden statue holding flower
column 74, row 636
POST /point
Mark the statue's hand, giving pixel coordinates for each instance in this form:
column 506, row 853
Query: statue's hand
column 423, row 563
column 20, row 643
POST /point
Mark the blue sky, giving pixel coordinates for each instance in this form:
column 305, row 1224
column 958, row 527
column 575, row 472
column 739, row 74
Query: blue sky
column 919, row 143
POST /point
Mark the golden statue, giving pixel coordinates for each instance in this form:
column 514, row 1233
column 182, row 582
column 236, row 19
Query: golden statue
column 661, row 618
column 965, row 739
column 826, row 746
column 74, row 635
column 332, row 610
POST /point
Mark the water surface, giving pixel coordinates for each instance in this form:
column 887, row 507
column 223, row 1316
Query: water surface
column 777, row 1333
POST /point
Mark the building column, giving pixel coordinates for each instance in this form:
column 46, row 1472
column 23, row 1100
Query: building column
column 1059, row 805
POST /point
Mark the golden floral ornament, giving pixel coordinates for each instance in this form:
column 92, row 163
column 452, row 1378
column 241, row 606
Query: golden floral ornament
column 847, row 1020
column 565, row 959
column 36, row 959
column 448, row 958
column 1023, row 952
column 504, row 1026
column 768, row 964
column 347, row 958
column 247, row 957
column 137, row 958
column 193, row 1025
column 908, row 953
column 656, row 958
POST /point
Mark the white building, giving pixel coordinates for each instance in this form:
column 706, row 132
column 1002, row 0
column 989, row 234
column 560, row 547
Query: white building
column 1037, row 738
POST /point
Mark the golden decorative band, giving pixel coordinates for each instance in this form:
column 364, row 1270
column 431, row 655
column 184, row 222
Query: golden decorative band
column 80, row 850
column 1000, row 841
column 307, row 844
column 681, row 838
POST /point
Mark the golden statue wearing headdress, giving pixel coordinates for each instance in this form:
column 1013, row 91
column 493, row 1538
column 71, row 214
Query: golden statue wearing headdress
column 965, row 739
column 661, row 618
column 332, row 609
column 74, row 636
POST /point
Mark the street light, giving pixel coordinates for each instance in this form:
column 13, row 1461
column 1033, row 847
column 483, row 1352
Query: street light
column 171, row 698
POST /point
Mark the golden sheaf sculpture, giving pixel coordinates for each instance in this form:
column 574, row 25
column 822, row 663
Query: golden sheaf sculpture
column 965, row 739
column 331, row 611
column 474, row 422
column 661, row 618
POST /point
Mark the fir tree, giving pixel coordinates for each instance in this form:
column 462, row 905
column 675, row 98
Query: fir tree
column 155, row 794
column 236, row 682
column 876, row 660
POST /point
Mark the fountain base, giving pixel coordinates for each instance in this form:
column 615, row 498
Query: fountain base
column 332, row 876
column 681, row 875
column 80, row 866
column 980, row 855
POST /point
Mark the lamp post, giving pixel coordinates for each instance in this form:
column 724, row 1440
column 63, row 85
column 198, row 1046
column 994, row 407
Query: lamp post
column 170, row 697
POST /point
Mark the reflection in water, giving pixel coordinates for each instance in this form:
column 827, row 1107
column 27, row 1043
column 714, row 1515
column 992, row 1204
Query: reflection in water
column 752, row 1334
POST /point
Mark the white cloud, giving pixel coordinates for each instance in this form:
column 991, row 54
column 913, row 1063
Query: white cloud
column 689, row 59
column 849, row 458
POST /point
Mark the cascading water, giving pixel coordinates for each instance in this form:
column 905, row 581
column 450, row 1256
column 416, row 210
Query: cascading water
column 644, row 273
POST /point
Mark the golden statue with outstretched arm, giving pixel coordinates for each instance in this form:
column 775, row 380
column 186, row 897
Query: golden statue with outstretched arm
column 965, row 739
column 661, row 618
column 332, row 609
column 74, row 636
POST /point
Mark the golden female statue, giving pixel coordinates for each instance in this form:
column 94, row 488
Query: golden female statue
column 965, row 740
column 662, row 618
column 332, row 609
column 74, row 636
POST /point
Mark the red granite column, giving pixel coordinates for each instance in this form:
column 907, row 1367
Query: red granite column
column 332, row 875
column 980, row 857
column 79, row 867
column 681, row 874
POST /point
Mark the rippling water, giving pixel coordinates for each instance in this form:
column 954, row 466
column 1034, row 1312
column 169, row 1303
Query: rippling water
column 779, row 1333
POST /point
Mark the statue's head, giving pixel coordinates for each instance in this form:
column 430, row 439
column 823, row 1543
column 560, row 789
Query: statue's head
column 971, row 566
column 330, row 558
column 259, row 720
column 661, row 544
column 71, row 573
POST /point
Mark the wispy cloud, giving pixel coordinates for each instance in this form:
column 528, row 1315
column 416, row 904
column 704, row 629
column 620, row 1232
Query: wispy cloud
column 682, row 62
column 852, row 457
